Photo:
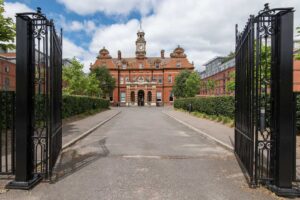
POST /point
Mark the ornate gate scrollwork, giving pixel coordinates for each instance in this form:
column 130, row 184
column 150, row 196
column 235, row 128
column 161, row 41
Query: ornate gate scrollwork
column 264, row 97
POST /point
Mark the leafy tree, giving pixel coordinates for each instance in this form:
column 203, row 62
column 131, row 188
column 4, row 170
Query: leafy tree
column 7, row 30
column 230, row 85
column 298, row 34
column 107, row 82
column 92, row 87
column 76, row 82
column 192, row 85
column 211, row 84
column 180, row 84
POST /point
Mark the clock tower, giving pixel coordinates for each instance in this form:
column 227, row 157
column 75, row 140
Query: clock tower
column 140, row 44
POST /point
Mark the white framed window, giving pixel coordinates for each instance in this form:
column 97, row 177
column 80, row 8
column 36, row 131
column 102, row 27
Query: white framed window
column 123, row 97
column 124, row 66
column 127, row 79
column 141, row 66
column 158, row 96
column 170, row 78
column 121, row 80
column 160, row 80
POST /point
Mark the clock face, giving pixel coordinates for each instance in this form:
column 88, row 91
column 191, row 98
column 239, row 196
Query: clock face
column 141, row 47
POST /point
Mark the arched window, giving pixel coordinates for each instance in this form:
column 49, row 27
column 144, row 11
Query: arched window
column 149, row 96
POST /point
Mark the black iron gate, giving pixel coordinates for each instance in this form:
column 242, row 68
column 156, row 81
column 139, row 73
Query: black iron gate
column 264, row 131
column 7, row 132
column 38, row 98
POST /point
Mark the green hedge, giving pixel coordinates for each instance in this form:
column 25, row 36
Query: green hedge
column 298, row 112
column 7, row 99
column 74, row 105
column 219, row 106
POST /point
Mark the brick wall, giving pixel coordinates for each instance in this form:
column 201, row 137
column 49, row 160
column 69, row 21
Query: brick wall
column 7, row 75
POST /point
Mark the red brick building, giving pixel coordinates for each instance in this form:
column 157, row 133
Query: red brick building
column 297, row 76
column 143, row 80
column 221, row 75
column 8, row 71
column 216, row 76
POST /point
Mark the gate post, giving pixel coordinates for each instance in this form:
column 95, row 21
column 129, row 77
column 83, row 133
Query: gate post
column 285, row 136
column 24, row 177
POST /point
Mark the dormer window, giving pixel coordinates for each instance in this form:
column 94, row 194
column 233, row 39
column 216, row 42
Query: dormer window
column 124, row 66
column 178, row 64
column 141, row 66
column 157, row 65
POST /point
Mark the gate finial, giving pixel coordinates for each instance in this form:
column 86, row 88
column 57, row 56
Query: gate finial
column 39, row 10
column 267, row 6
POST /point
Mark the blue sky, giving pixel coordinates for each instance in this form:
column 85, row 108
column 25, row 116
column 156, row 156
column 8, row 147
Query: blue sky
column 59, row 13
column 205, row 28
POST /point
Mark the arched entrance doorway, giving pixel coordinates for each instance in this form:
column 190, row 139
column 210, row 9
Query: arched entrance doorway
column 141, row 97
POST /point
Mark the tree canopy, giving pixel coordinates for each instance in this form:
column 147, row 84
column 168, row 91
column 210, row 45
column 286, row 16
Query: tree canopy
column 76, row 82
column 107, row 82
column 187, row 84
column 7, row 30
column 192, row 85
column 298, row 34
column 230, row 85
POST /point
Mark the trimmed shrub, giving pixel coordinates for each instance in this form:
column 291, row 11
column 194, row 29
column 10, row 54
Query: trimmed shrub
column 74, row 105
column 217, row 106
column 71, row 105
column 298, row 112
column 7, row 101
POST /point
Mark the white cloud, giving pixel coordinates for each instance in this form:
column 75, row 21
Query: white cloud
column 71, row 50
column 12, row 8
column 204, row 28
column 87, row 26
column 109, row 7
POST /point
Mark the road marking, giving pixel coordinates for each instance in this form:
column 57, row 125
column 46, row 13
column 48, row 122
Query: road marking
column 141, row 156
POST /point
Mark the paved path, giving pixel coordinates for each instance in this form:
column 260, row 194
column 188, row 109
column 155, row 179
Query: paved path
column 216, row 130
column 144, row 154
column 76, row 128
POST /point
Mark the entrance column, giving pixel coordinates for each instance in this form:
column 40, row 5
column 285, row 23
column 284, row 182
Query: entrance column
column 128, row 97
column 136, row 96
column 153, row 102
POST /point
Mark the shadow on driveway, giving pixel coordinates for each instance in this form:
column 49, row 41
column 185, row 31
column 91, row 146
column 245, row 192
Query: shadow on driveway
column 73, row 160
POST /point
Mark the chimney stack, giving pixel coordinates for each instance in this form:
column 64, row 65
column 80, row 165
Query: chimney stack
column 119, row 55
column 162, row 54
